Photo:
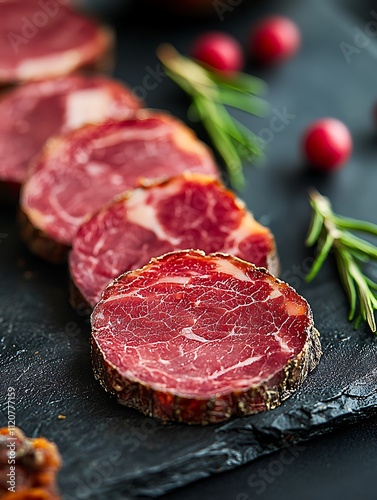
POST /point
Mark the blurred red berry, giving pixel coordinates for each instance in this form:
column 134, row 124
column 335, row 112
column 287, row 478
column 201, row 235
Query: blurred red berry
column 218, row 50
column 274, row 39
column 327, row 144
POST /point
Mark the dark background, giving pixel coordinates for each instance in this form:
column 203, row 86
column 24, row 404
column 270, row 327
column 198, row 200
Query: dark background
column 317, row 82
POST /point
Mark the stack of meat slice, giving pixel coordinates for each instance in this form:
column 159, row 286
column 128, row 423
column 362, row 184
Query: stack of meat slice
column 33, row 112
column 41, row 39
column 44, row 41
column 187, row 211
column 78, row 172
column 199, row 333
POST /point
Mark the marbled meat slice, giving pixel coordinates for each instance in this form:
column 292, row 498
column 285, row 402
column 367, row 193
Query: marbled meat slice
column 198, row 338
column 79, row 172
column 34, row 112
column 28, row 467
column 187, row 211
column 42, row 39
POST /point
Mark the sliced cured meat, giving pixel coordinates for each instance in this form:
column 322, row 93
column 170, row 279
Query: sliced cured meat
column 187, row 211
column 198, row 338
column 34, row 112
column 28, row 467
column 45, row 38
column 79, row 172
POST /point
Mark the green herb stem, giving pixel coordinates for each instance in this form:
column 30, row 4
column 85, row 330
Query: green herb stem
column 211, row 92
column 332, row 232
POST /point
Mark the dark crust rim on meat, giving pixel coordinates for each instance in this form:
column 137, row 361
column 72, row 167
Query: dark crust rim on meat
column 77, row 300
column 76, row 295
column 39, row 243
column 193, row 410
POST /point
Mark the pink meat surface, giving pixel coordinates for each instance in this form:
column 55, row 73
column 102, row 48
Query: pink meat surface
column 34, row 112
column 188, row 211
column 45, row 38
column 197, row 327
column 82, row 171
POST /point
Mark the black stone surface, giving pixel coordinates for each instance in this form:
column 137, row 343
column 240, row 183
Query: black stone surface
column 112, row 452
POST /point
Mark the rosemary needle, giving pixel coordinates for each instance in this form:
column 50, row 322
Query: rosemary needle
column 211, row 92
column 332, row 232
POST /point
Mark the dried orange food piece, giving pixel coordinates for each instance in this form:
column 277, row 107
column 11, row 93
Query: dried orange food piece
column 28, row 467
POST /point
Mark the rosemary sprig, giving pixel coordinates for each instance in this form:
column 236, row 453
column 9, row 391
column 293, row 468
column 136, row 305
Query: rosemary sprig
column 331, row 231
column 211, row 93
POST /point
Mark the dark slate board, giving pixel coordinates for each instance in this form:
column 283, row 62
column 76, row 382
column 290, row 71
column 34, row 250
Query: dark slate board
column 111, row 451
